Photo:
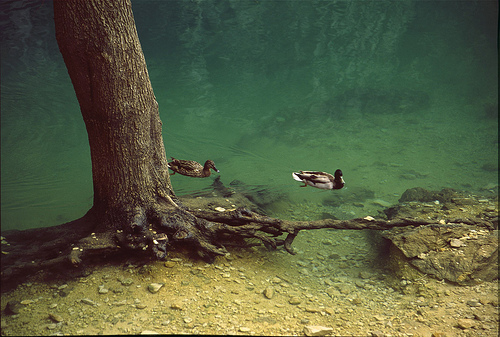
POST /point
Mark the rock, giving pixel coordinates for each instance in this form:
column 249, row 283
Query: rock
column 140, row 306
column 456, row 243
column 103, row 289
column 13, row 307
column 427, row 248
column 55, row 317
column 381, row 202
column 65, row 291
column 126, row 281
column 244, row 329
column 317, row 330
column 52, row 326
column 154, row 287
column 294, row 300
column 149, row 332
column 177, row 306
column 268, row 292
column 463, row 201
column 312, row 309
column 465, row 323
column 169, row 264
column 473, row 303
column 88, row 301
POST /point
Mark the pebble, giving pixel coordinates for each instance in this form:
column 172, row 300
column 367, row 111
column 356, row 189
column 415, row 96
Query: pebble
column 149, row 332
column 381, row 202
column 88, row 301
column 244, row 329
column 317, row 330
column 64, row 291
column 457, row 243
column 169, row 264
column 473, row 303
column 52, row 326
column 103, row 289
column 55, row 317
column 177, row 306
column 294, row 300
column 126, row 281
column 312, row 309
column 465, row 323
column 154, row 287
column 268, row 292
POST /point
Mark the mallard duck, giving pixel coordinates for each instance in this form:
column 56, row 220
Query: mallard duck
column 321, row 180
column 192, row 168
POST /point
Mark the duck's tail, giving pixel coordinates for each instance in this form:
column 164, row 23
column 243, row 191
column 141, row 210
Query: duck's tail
column 295, row 176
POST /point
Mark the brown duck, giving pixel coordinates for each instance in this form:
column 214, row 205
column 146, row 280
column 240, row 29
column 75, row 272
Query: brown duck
column 192, row 168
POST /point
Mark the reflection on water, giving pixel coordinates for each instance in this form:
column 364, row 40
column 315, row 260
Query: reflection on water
column 266, row 88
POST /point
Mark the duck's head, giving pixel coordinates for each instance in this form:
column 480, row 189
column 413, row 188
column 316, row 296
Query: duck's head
column 338, row 182
column 209, row 164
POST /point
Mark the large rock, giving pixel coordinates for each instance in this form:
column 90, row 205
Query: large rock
column 434, row 250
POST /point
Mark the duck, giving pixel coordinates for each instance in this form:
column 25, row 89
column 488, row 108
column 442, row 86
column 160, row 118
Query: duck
column 192, row 168
column 321, row 180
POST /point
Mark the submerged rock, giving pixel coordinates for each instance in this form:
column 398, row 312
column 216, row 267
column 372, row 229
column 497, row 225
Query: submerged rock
column 268, row 292
column 154, row 287
column 434, row 250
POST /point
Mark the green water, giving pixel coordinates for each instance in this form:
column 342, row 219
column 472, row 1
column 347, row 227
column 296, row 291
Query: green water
column 396, row 94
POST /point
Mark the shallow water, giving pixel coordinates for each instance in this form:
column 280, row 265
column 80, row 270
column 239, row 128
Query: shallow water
column 397, row 96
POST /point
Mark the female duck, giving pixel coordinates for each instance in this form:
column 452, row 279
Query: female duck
column 321, row 180
column 191, row 168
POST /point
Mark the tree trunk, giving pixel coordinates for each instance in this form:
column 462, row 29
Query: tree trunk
column 100, row 46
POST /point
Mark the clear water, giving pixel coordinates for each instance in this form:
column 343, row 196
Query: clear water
column 396, row 94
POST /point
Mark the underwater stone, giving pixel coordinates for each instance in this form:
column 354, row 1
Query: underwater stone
column 456, row 243
column 55, row 317
column 103, row 289
column 88, row 301
column 126, row 281
column 13, row 307
column 268, row 292
column 465, row 323
column 154, row 287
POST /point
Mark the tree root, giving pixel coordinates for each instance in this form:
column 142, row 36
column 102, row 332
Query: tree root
column 153, row 232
